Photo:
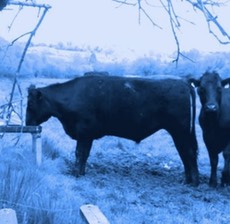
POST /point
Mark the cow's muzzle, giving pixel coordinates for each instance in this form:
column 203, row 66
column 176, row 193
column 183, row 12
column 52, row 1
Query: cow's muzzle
column 211, row 108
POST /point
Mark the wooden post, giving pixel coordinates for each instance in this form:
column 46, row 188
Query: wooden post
column 8, row 216
column 93, row 214
column 37, row 147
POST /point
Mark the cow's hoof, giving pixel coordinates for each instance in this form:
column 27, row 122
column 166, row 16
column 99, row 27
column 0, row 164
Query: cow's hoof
column 195, row 183
column 195, row 180
column 192, row 180
column 225, row 180
column 80, row 173
column 212, row 184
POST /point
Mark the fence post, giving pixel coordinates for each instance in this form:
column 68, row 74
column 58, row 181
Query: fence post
column 37, row 147
column 93, row 214
column 8, row 216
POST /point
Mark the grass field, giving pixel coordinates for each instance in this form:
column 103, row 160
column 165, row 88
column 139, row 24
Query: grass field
column 139, row 184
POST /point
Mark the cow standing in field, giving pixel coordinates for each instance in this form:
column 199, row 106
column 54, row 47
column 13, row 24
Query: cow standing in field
column 215, row 121
column 91, row 107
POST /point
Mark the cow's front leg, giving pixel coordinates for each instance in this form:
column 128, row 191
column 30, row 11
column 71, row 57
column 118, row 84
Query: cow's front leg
column 213, row 156
column 82, row 154
column 226, row 171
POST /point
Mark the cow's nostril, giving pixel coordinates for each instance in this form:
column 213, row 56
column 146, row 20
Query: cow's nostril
column 210, row 107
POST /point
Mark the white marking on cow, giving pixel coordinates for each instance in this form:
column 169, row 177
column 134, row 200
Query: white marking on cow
column 227, row 86
column 193, row 85
column 191, row 113
column 128, row 85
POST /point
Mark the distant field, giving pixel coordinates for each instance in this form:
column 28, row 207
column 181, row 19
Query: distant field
column 139, row 184
column 60, row 61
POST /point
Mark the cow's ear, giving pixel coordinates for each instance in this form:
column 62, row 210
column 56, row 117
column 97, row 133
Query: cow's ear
column 35, row 93
column 38, row 94
column 225, row 82
column 31, row 88
column 194, row 82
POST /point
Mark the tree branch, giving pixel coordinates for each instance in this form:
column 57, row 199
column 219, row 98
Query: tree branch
column 32, row 33
column 28, row 4
column 125, row 2
column 19, row 10
column 210, row 18
column 174, row 18
column 147, row 15
column 12, row 42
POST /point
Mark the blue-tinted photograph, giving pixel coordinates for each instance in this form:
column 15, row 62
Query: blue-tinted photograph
column 114, row 111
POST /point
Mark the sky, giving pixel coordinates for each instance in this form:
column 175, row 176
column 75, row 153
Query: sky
column 107, row 24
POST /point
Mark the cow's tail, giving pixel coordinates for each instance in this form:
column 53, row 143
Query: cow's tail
column 193, row 118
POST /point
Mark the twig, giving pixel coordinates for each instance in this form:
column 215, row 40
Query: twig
column 210, row 18
column 174, row 23
column 141, row 9
column 13, row 41
column 10, row 26
column 174, row 34
column 151, row 5
column 150, row 19
column 30, row 38
column 28, row 4
column 174, row 18
column 125, row 2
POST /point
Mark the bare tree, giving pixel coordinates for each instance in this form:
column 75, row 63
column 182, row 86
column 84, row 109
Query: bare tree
column 204, row 7
column 9, row 107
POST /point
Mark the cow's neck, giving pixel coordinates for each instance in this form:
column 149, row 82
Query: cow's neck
column 54, row 105
column 209, row 122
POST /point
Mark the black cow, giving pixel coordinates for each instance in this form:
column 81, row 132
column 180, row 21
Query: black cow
column 91, row 107
column 215, row 121
column 96, row 73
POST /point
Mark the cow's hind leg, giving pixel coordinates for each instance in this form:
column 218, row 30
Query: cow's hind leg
column 186, row 145
column 226, row 171
column 82, row 154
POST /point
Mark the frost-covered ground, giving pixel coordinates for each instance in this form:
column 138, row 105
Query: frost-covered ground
column 130, row 183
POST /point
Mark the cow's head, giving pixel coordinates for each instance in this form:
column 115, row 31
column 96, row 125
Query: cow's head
column 209, row 88
column 37, row 110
